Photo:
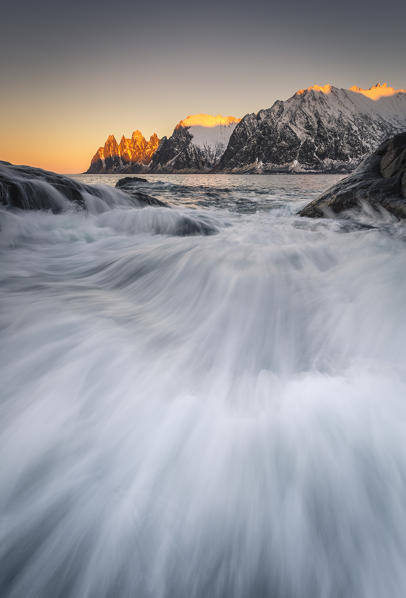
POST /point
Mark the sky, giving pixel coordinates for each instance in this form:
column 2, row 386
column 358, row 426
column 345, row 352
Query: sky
column 71, row 73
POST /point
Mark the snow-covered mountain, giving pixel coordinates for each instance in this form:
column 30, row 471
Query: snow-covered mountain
column 130, row 155
column 318, row 129
column 322, row 129
column 196, row 144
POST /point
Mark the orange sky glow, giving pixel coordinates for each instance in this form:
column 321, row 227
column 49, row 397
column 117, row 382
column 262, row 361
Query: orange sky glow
column 72, row 75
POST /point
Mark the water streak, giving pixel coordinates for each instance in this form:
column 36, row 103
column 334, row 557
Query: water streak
column 194, row 416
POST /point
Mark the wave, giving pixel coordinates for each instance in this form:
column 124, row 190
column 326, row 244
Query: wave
column 205, row 415
column 24, row 188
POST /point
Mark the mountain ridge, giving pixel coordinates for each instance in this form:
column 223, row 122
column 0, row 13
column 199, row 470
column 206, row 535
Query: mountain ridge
column 196, row 144
column 319, row 129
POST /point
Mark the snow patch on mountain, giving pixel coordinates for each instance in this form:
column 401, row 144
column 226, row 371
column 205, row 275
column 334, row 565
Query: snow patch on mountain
column 211, row 136
column 196, row 144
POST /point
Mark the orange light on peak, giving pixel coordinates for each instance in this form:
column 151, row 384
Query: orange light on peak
column 380, row 90
column 207, row 120
column 322, row 88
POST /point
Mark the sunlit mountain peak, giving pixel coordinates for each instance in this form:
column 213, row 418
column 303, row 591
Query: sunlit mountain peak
column 377, row 91
column 207, row 120
column 322, row 88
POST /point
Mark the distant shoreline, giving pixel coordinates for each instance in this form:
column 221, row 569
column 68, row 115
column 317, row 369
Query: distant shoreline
column 335, row 172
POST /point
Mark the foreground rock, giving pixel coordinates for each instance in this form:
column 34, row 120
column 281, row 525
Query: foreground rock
column 29, row 188
column 130, row 186
column 378, row 182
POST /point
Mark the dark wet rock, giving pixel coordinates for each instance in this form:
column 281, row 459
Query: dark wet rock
column 190, row 226
column 378, row 182
column 130, row 186
column 128, row 180
column 393, row 160
column 146, row 200
column 31, row 188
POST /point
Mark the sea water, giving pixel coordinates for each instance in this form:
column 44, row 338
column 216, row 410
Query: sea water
column 202, row 415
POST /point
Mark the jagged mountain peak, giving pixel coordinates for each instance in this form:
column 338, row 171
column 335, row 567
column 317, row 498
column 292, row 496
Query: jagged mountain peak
column 321, row 88
column 196, row 144
column 131, row 154
column 377, row 91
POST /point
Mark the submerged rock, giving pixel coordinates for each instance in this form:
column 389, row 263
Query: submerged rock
column 378, row 182
column 130, row 186
column 188, row 226
column 130, row 180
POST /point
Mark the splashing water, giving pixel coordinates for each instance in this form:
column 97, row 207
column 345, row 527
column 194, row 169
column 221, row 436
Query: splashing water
column 202, row 416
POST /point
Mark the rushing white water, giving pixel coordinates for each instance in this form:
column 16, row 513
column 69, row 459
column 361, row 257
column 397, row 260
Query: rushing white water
column 202, row 416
